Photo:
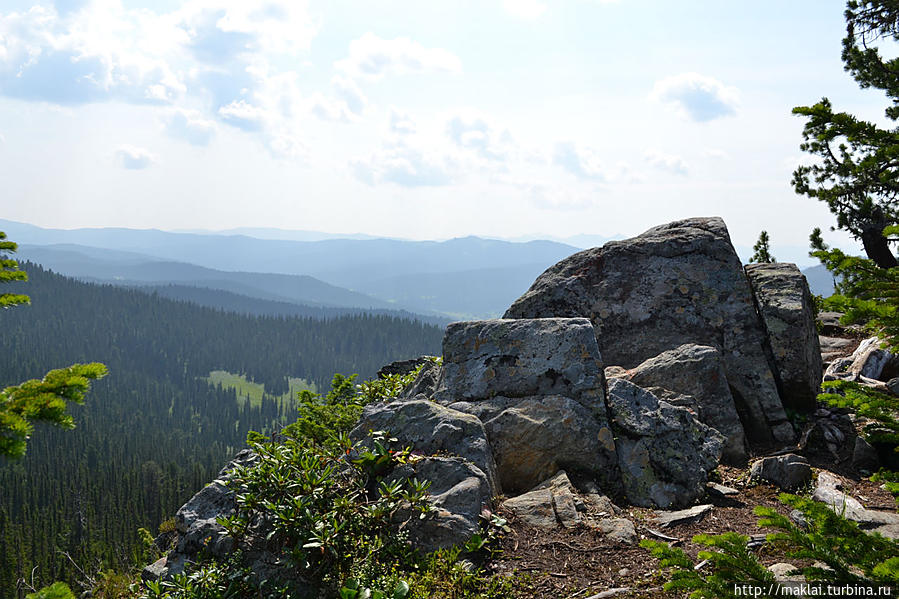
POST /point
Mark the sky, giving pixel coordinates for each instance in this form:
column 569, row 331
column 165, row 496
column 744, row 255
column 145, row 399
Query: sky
column 417, row 119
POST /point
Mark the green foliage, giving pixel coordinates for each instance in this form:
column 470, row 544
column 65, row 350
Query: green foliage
column 43, row 400
column 332, row 512
column 879, row 407
column 57, row 590
column 855, row 172
column 761, row 250
column 322, row 418
column 848, row 554
column 730, row 561
column 9, row 271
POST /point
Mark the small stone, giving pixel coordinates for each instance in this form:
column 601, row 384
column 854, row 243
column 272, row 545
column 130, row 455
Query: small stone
column 619, row 529
column 722, row 490
column 789, row 472
column 623, row 572
column 669, row 518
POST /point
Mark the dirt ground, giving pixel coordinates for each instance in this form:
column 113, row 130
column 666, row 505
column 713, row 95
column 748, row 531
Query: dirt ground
column 580, row 563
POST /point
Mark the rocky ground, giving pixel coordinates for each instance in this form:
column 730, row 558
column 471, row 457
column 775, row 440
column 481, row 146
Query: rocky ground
column 583, row 562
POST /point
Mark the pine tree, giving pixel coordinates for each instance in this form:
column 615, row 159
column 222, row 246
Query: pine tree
column 857, row 174
column 762, row 252
column 36, row 400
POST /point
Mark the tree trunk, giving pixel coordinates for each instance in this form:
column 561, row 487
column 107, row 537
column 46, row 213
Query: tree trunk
column 877, row 248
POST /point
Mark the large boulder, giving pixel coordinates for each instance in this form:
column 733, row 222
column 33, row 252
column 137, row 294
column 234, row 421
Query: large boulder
column 431, row 428
column 674, row 284
column 664, row 452
column 459, row 492
column 697, row 371
column 788, row 472
column 538, row 387
column 534, row 437
column 785, row 304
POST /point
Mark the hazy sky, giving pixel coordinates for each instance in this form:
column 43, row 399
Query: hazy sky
column 417, row 119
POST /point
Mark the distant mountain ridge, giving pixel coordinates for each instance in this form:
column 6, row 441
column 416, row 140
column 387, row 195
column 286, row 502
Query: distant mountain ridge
column 467, row 277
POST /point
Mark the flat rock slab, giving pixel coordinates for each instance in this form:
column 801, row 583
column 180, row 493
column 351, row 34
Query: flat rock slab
column 722, row 490
column 667, row 518
column 829, row 491
column 674, row 284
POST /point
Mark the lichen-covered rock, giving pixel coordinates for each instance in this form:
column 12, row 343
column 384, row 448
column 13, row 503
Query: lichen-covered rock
column 551, row 504
column 196, row 522
column 534, row 437
column 785, row 304
column 664, row 452
column 698, row 372
column 538, row 387
column 522, row 358
column 459, row 492
column 431, row 428
column 425, row 383
column 788, row 472
column 674, row 284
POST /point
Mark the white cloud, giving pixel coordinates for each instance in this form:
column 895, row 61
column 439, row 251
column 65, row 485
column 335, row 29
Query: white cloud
column 400, row 122
column 553, row 199
column 696, row 97
column 474, row 131
column 716, row 153
column 134, row 158
column 524, row 9
column 666, row 162
column 580, row 162
column 350, row 94
column 190, row 126
column 373, row 57
column 242, row 115
column 404, row 165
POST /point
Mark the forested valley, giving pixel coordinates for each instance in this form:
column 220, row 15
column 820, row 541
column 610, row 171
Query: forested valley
column 153, row 431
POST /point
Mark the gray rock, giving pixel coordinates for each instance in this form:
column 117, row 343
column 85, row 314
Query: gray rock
column 829, row 491
column 196, row 521
column 522, row 358
column 459, row 491
column 722, row 490
column 830, row 323
column 864, row 456
column 830, row 438
column 890, row 531
column 673, row 518
column 674, row 284
column 534, row 437
column 832, row 347
column 154, row 571
column 784, row 572
column 538, row 387
column 785, row 304
column 698, row 372
column 401, row 366
column 664, row 452
column 893, row 385
column 618, row 529
column 868, row 361
column 788, row 472
column 431, row 428
column 425, row 383
column 534, row 508
column 554, row 502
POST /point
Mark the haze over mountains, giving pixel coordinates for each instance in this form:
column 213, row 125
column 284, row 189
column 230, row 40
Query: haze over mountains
column 274, row 271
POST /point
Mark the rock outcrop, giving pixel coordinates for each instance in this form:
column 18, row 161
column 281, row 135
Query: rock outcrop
column 431, row 429
column 674, row 284
column 538, row 387
column 785, row 304
column 789, row 472
column 664, row 452
column 696, row 371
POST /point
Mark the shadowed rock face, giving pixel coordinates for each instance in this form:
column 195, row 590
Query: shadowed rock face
column 785, row 304
column 674, row 284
